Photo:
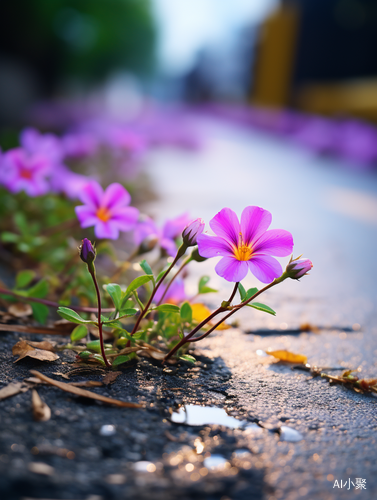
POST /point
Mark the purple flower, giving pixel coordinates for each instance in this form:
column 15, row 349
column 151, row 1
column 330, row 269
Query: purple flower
column 192, row 231
column 246, row 246
column 106, row 210
column 78, row 145
column 20, row 171
column 298, row 268
column 171, row 230
column 175, row 295
column 47, row 145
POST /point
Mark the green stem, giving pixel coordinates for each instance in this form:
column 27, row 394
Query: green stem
column 173, row 278
column 219, row 310
column 93, row 275
column 180, row 252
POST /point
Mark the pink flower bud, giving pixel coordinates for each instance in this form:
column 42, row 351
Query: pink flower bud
column 87, row 251
column 298, row 268
column 192, row 231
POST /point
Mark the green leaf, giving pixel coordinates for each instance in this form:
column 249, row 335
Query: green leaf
column 160, row 274
column 250, row 293
column 202, row 288
column 70, row 315
column 123, row 358
column 262, row 307
column 8, row 237
column 78, row 333
column 123, row 333
column 38, row 291
column 112, row 323
column 23, row 278
column 146, row 267
column 242, row 291
column 127, row 312
column 95, row 345
column 167, row 308
column 136, row 283
column 188, row 358
column 115, row 293
column 186, row 312
column 40, row 312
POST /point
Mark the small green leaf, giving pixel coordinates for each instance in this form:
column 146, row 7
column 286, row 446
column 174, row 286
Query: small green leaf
column 123, row 333
column 186, row 312
column 146, row 267
column 242, row 291
column 95, row 345
column 40, row 312
column 136, row 283
column 202, row 288
column 23, row 278
column 78, row 333
column 123, row 358
column 262, row 307
column 70, row 315
column 8, row 237
column 250, row 293
column 38, row 291
column 167, row 308
column 127, row 312
column 115, row 293
column 160, row 274
column 188, row 358
column 112, row 323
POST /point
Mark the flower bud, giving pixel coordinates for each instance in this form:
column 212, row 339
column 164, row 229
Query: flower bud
column 192, row 231
column 195, row 255
column 87, row 251
column 148, row 244
column 298, row 268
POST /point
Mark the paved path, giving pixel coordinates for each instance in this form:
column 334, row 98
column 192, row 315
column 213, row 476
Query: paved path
column 331, row 209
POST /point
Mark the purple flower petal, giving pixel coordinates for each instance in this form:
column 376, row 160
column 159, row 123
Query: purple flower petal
column 86, row 216
column 169, row 246
column 92, row 194
column 145, row 228
column 226, row 225
column 254, row 222
column 126, row 218
column 115, row 196
column 274, row 242
column 106, row 230
column 265, row 268
column 213, row 246
column 174, row 227
column 232, row 269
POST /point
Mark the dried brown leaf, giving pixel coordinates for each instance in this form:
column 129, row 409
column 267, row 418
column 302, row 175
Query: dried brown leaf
column 289, row 357
column 84, row 393
column 12, row 389
column 41, row 412
column 20, row 309
column 23, row 349
column 88, row 383
column 110, row 377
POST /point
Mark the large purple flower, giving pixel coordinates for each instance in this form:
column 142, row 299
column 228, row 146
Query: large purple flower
column 106, row 210
column 246, row 245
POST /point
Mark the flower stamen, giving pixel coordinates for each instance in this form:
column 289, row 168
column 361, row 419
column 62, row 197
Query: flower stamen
column 242, row 251
column 104, row 214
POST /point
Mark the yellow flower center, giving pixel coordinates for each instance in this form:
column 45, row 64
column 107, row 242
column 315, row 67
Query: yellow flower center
column 242, row 251
column 103, row 214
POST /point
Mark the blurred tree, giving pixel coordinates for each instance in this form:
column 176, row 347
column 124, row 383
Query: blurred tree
column 80, row 39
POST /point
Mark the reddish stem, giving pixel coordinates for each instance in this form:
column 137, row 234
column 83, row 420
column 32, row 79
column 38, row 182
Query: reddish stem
column 100, row 322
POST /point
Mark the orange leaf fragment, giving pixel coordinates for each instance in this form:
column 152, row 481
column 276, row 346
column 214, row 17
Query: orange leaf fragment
column 289, row 357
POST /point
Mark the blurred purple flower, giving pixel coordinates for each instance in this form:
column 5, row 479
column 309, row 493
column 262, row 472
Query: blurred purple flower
column 78, row 145
column 317, row 134
column 175, row 295
column 246, row 246
column 20, row 171
column 357, row 141
column 47, row 145
column 171, row 230
column 106, row 210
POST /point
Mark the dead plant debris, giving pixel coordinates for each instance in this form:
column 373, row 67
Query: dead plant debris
column 43, row 351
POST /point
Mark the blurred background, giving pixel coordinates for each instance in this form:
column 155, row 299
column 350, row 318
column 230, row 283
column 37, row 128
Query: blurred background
column 315, row 56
